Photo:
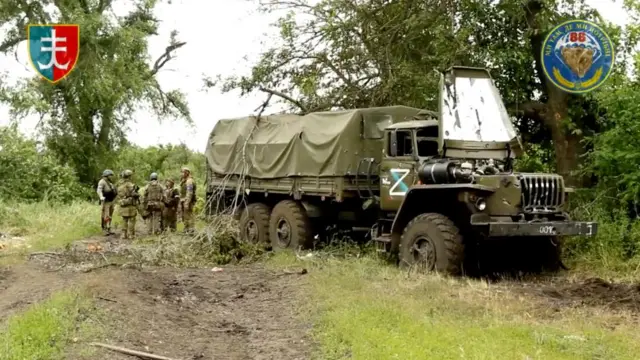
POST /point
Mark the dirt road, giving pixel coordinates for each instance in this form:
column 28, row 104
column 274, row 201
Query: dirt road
column 237, row 313
column 240, row 312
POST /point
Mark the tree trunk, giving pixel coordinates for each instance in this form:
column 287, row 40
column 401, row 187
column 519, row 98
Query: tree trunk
column 567, row 146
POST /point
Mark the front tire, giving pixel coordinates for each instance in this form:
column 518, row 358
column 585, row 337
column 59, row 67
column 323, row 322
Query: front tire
column 433, row 243
column 289, row 226
column 254, row 224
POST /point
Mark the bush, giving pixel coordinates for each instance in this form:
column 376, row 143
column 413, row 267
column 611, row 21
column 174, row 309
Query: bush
column 30, row 174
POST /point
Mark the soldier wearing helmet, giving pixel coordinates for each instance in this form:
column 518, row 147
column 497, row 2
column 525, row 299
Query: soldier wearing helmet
column 107, row 193
column 128, row 201
column 187, row 199
column 153, row 202
column 171, row 202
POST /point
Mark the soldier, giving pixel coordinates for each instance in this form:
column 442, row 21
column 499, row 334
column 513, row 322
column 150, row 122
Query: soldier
column 128, row 201
column 171, row 201
column 153, row 200
column 107, row 192
column 187, row 199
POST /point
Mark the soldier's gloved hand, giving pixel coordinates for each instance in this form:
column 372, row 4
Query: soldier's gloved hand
column 102, row 198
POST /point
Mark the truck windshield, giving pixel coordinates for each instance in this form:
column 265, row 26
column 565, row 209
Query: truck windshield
column 427, row 140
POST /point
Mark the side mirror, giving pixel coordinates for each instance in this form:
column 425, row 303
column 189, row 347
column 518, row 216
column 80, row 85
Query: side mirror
column 393, row 144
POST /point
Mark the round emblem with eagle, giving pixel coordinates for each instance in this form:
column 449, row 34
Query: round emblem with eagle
column 577, row 56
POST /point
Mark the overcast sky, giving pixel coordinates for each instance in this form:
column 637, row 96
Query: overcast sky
column 217, row 43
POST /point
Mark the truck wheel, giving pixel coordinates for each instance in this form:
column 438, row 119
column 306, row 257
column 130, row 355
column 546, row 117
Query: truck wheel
column 432, row 242
column 289, row 226
column 254, row 224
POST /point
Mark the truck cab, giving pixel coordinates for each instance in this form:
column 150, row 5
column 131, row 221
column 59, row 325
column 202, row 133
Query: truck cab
column 406, row 145
column 447, row 182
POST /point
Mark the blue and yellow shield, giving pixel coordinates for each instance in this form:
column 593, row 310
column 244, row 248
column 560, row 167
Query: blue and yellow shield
column 577, row 56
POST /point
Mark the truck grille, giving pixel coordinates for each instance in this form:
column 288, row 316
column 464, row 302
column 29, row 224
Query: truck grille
column 542, row 193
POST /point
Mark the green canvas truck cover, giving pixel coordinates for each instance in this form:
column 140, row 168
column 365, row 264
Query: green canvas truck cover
column 316, row 144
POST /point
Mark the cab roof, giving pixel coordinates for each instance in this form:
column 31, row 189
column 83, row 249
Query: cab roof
column 413, row 124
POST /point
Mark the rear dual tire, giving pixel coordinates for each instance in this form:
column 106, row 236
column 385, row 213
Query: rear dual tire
column 286, row 226
column 289, row 226
column 254, row 224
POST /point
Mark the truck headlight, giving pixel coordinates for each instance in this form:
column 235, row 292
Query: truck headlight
column 481, row 204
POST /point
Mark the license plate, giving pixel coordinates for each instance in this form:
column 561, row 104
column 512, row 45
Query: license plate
column 547, row 230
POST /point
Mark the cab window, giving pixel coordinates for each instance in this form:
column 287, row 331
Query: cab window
column 427, row 140
column 404, row 145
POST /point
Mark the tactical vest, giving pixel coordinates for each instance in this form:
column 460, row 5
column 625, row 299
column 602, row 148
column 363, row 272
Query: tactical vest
column 154, row 191
column 108, row 191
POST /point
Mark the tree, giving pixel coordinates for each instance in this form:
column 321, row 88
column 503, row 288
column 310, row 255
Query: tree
column 347, row 54
column 84, row 116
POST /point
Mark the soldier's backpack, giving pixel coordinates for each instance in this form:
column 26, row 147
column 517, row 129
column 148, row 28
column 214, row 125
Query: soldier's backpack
column 155, row 196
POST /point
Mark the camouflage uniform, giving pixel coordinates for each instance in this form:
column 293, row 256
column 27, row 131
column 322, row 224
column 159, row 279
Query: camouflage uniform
column 128, row 201
column 153, row 200
column 107, row 193
column 187, row 199
column 171, row 201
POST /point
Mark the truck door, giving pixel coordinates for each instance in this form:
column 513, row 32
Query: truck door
column 397, row 169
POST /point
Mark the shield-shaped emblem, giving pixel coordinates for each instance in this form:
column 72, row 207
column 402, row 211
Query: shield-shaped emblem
column 54, row 49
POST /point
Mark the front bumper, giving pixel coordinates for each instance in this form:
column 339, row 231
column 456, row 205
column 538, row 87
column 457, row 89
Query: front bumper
column 547, row 228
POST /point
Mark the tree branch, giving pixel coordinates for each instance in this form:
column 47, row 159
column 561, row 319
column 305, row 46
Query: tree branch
column 164, row 58
column 286, row 97
column 533, row 110
column 10, row 43
column 102, row 6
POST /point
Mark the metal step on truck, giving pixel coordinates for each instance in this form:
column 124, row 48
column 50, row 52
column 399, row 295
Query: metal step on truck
column 430, row 187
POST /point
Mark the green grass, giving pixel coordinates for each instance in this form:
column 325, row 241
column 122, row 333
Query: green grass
column 364, row 309
column 45, row 330
column 44, row 225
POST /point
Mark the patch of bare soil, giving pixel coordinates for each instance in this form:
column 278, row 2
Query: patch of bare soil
column 237, row 313
column 26, row 284
column 233, row 312
column 594, row 292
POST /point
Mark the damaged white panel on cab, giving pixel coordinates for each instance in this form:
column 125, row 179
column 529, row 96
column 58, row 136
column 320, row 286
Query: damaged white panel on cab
column 472, row 109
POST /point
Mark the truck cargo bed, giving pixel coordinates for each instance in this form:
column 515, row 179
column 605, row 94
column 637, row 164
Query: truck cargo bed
column 337, row 187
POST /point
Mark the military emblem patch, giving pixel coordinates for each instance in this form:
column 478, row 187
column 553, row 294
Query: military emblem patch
column 53, row 49
column 577, row 56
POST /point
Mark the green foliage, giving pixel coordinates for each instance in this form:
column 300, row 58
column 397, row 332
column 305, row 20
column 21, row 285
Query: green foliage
column 33, row 174
column 536, row 158
column 30, row 174
column 165, row 160
column 616, row 156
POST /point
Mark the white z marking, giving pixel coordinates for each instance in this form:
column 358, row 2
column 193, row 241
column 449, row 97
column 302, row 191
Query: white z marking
column 399, row 175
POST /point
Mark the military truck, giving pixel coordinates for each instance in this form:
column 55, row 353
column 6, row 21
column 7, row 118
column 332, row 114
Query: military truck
column 427, row 186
